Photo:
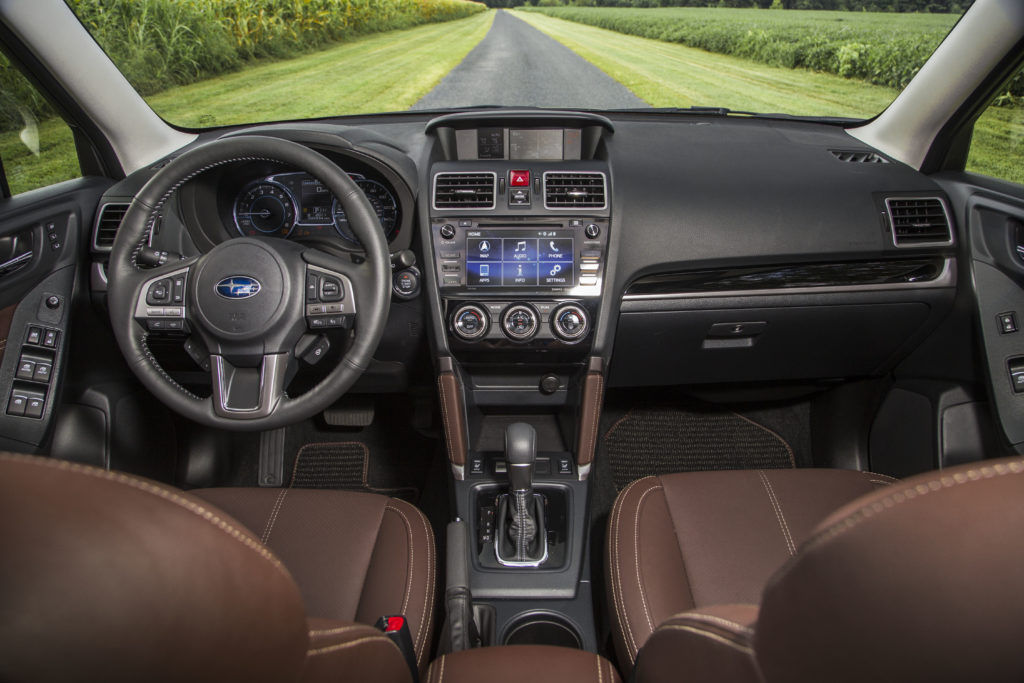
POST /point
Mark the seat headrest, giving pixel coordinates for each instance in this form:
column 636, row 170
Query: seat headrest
column 109, row 577
column 918, row 581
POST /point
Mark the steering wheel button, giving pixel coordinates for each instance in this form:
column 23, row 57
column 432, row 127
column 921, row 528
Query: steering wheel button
column 312, row 287
column 331, row 290
column 332, row 308
column 316, row 309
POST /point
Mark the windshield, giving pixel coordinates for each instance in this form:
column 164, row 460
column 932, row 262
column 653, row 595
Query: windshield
column 203, row 63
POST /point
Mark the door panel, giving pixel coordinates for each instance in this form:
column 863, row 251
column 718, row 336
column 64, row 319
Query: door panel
column 993, row 212
column 44, row 237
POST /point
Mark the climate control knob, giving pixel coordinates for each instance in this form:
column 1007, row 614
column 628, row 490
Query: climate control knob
column 569, row 322
column 519, row 322
column 470, row 322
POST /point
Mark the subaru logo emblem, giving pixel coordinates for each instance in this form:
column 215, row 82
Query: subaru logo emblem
column 238, row 287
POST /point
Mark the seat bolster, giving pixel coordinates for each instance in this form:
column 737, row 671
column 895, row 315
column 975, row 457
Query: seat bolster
column 516, row 663
column 647, row 580
column 353, row 651
column 712, row 643
column 402, row 575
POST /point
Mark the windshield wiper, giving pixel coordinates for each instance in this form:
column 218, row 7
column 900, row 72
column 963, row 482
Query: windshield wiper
column 725, row 111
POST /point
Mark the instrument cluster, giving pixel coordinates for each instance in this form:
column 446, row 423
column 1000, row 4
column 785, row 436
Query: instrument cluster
column 296, row 205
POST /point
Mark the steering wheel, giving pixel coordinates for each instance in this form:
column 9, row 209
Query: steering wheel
column 250, row 301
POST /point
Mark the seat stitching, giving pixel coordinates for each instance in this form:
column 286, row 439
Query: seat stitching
column 613, row 559
column 327, row 649
column 789, row 449
column 893, row 500
column 429, row 592
column 709, row 634
column 790, row 546
column 879, row 474
column 335, row 631
column 272, row 518
column 700, row 616
column 614, row 562
column 618, row 563
column 882, row 481
column 440, row 673
column 600, row 674
column 636, row 553
column 160, row 492
column 408, row 532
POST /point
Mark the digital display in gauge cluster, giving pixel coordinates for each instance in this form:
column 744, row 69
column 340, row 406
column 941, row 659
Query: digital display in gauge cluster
column 297, row 205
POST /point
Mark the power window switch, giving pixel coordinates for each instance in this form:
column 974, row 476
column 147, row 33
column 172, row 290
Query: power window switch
column 34, row 408
column 1016, row 366
column 16, row 406
column 42, row 373
column 26, row 369
column 1007, row 322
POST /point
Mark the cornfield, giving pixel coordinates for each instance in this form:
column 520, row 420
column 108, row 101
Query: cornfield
column 162, row 43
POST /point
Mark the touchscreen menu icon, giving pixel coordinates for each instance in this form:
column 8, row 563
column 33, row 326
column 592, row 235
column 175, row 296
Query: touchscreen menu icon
column 520, row 260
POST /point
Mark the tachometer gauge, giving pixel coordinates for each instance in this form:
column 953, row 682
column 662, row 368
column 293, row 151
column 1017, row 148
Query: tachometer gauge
column 383, row 203
column 264, row 208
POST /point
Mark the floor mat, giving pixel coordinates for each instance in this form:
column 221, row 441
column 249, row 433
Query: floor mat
column 654, row 440
column 340, row 465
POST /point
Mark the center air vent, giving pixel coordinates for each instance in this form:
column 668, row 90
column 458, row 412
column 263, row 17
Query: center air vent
column 574, row 190
column 465, row 190
column 858, row 156
column 919, row 221
column 107, row 224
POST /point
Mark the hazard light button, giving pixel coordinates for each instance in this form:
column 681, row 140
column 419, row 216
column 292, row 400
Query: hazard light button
column 519, row 179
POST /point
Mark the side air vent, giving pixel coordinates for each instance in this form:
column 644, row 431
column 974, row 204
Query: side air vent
column 465, row 190
column 107, row 224
column 858, row 156
column 574, row 190
column 919, row 221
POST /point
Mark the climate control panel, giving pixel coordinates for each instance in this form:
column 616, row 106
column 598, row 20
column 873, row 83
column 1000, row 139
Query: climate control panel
column 519, row 322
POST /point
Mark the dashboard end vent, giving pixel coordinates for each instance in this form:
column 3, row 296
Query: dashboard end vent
column 565, row 190
column 919, row 221
column 465, row 190
column 858, row 156
column 107, row 223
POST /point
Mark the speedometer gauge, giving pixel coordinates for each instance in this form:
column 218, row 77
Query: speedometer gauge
column 383, row 203
column 264, row 208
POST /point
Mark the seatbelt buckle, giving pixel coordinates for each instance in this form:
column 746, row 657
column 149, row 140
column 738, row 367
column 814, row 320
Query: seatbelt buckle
column 396, row 627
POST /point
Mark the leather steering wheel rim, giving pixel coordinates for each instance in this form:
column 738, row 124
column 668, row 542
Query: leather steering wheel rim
column 372, row 296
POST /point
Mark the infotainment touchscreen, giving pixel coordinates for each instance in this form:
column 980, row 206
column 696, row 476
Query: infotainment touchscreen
column 510, row 257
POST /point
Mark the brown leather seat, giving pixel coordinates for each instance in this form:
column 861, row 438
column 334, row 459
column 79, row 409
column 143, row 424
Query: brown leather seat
column 814, row 575
column 110, row 577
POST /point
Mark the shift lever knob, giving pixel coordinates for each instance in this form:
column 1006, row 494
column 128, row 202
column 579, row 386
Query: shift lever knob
column 520, row 452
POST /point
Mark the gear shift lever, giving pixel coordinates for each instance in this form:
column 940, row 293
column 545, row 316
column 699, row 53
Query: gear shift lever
column 520, row 452
column 521, row 539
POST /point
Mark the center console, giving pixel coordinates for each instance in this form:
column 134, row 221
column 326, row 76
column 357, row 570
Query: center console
column 519, row 222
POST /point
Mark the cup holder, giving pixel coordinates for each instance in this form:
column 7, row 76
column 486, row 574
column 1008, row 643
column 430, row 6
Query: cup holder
column 543, row 628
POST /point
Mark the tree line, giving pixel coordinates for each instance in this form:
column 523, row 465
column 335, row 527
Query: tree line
column 939, row 6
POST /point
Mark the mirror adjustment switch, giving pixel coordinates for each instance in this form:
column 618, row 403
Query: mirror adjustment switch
column 1016, row 367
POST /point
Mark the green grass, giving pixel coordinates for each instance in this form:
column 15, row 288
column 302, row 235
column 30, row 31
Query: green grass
column 672, row 75
column 378, row 73
column 381, row 72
